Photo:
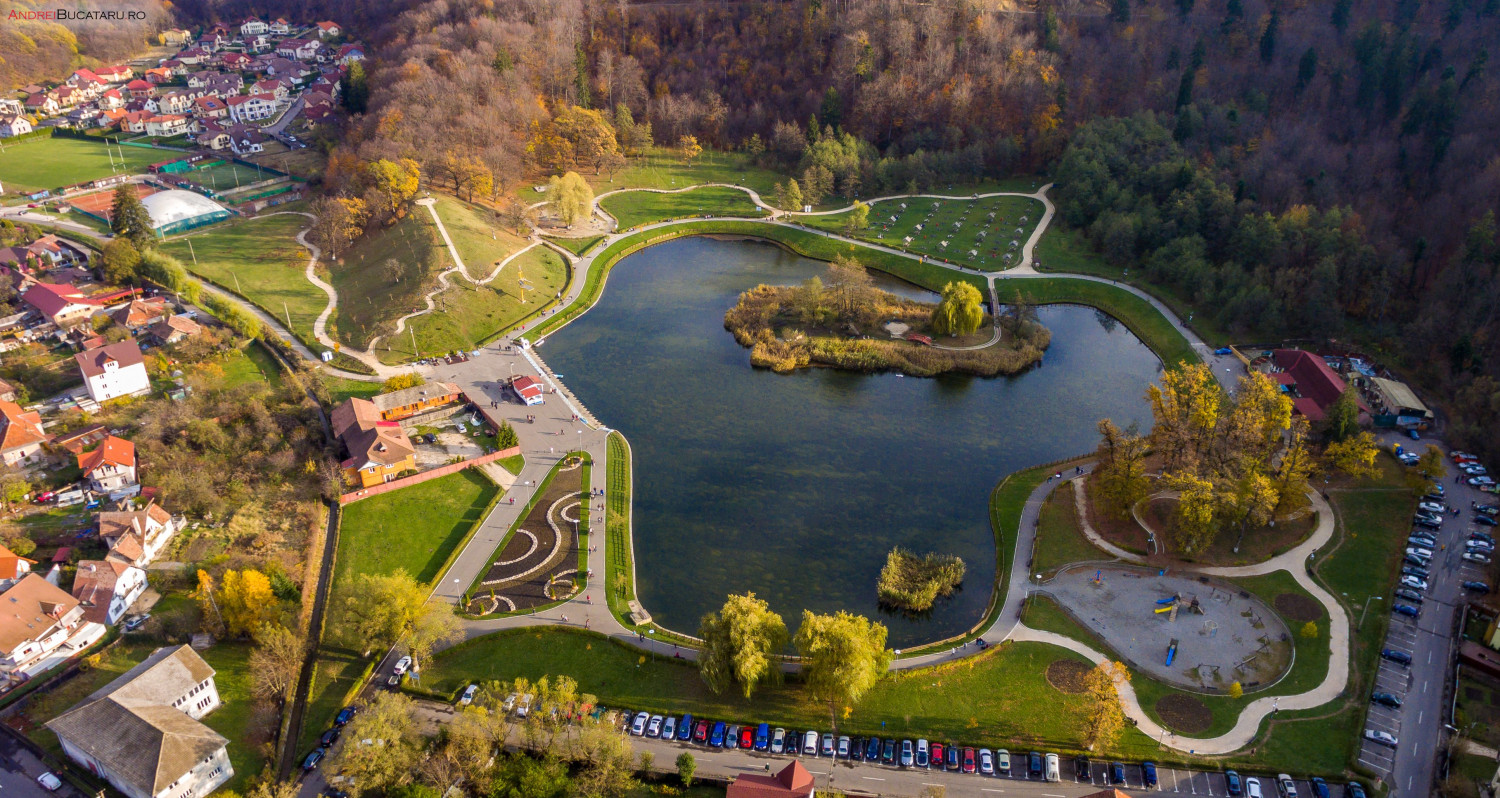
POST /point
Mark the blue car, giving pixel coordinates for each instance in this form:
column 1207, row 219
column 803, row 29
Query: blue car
column 345, row 715
column 685, row 728
column 1116, row 773
column 716, row 740
column 310, row 762
column 872, row 749
column 1319, row 787
column 1354, row 790
column 1407, row 610
column 762, row 736
column 1233, row 785
column 951, row 752
column 1148, row 774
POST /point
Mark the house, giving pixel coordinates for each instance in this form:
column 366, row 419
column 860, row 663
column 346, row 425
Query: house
column 528, row 390
column 280, row 27
column 136, row 537
column 107, row 588
column 61, row 304
column 173, row 329
column 177, row 102
column 251, row 108
column 13, row 568
column 378, row 450
column 7, row 392
column 1311, row 384
column 223, row 84
column 276, row 87
column 350, row 52
column 76, row 441
column 300, row 49
column 10, row 105
column 110, row 372
column 142, row 732
column 80, row 77
column 140, row 89
column 213, row 139
column 246, row 139
column 135, row 121
column 193, row 56
column 21, row 435
column 138, row 313
column 253, row 27
column 43, row 103
column 793, row 781
column 328, row 30
column 118, row 73
column 236, row 61
column 14, row 125
column 111, row 100
column 165, row 125
column 409, row 402
column 174, row 36
column 200, row 79
column 258, row 43
column 109, row 467
column 41, row 627
column 210, row 108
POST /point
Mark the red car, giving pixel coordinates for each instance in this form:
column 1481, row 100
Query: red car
column 969, row 760
column 747, row 737
column 937, row 756
column 700, row 732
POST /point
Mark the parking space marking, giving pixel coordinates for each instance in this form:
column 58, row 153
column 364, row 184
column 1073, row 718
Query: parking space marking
column 991, row 789
column 871, row 778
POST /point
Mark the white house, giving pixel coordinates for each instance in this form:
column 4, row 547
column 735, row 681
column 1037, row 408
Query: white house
column 253, row 27
column 13, row 568
column 168, row 125
column 280, row 27
column 251, row 108
column 40, row 627
column 109, row 467
column 21, row 436
column 136, row 537
column 328, row 30
column 107, row 588
column 13, row 125
column 112, row 371
column 142, row 733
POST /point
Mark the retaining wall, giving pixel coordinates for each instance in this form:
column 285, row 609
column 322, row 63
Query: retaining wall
column 417, row 479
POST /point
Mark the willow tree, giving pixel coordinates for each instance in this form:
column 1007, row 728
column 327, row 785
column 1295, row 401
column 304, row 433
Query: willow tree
column 571, row 198
column 960, row 311
column 740, row 645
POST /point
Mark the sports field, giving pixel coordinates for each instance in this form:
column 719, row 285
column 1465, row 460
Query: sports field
column 36, row 164
column 225, row 176
column 99, row 203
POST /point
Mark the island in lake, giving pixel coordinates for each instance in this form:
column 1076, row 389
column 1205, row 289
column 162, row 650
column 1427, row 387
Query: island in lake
column 842, row 320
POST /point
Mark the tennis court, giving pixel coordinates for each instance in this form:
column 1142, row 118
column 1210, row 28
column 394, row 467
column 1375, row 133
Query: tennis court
column 99, row 203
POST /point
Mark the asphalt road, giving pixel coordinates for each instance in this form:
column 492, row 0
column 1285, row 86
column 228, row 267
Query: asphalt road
column 19, row 769
column 1429, row 639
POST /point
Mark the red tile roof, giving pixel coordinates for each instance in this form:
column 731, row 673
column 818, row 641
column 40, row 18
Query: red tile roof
column 793, row 780
column 51, row 298
column 19, row 428
column 113, row 451
column 1318, row 385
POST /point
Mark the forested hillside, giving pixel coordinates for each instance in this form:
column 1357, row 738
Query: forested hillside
column 1310, row 169
column 33, row 49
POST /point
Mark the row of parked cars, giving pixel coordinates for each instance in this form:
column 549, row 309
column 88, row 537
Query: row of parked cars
column 1424, row 543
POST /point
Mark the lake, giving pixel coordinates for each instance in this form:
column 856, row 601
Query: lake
column 795, row 486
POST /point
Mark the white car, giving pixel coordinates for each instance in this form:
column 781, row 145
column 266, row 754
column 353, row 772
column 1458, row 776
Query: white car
column 1054, row 768
column 524, row 707
column 778, row 741
column 669, row 728
column 49, row 781
column 1252, row 788
column 1431, row 507
column 1407, row 458
column 986, row 762
column 401, row 665
column 1419, row 551
column 1002, row 760
column 468, row 697
column 810, row 744
column 1414, row 582
column 653, row 726
column 1384, row 738
column 1474, row 470
column 1476, row 558
column 638, row 726
column 1480, row 481
column 1286, row 786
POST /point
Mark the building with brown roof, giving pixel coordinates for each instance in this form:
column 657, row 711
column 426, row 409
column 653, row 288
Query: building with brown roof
column 21, row 435
column 138, row 313
column 62, row 305
column 113, row 371
column 378, row 450
column 107, row 588
column 111, row 466
column 1312, row 385
column 38, row 624
column 173, row 329
column 142, row 734
column 135, row 537
column 7, row 391
column 13, row 568
column 792, row 782
column 409, row 402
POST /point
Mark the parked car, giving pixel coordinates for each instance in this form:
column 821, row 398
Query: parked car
column 1488, row 509
column 1407, row 610
column 685, row 728
column 1416, row 583
column 888, row 753
column 762, row 737
column 1415, row 570
column 1386, row 700
column 1419, row 562
column 1398, row 657
column 1409, row 594
column 716, row 739
column 1285, row 786
column 856, row 749
column 1431, row 507
column 747, row 737
column 953, row 756
column 329, row 738
column 778, row 741
column 1481, row 535
column 401, row 665
column 1052, row 768
column 1418, row 551
column 1474, row 469
column 1428, row 523
column 1034, row 764
column 1002, row 761
column 468, row 697
column 1476, row 587
column 1148, row 773
column 1384, row 738
column 908, row 754
column 828, row 743
column 923, row 754
column 1354, row 790
column 310, row 762
column 1083, row 768
column 1117, row 773
column 1232, row 784
column 1485, row 520
column 810, row 743
column 700, row 732
column 1480, row 481
column 638, row 726
column 1252, row 788
column 653, row 726
column 135, row 622
column 1479, row 543
column 872, row 749
column 1319, row 787
column 935, row 757
column 345, row 715
column 970, row 765
column 49, row 781
column 394, row 681
column 732, row 736
column 1476, row 558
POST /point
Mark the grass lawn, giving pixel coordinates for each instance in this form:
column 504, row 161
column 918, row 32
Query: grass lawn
column 663, row 168
column 55, row 162
column 231, row 663
column 305, row 162
column 260, row 260
column 619, row 572
column 513, row 463
column 42, row 707
column 478, row 237
column 340, row 388
column 1059, row 538
column 337, row 673
column 891, row 224
column 577, row 246
column 642, row 207
column 383, row 276
column 467, row 315
column 247, row 365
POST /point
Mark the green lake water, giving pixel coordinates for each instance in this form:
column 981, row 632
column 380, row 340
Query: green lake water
column 796, row 486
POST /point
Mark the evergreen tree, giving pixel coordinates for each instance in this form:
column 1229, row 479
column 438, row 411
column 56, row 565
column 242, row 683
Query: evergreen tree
column 129, row 219
column 1340, row 15
column 1268, row 38
column 1307, row 68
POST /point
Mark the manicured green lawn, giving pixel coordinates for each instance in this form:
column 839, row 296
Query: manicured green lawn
column 260, row 260
column 340, row 388
column 479, row 238
column 577, row 246
column 413, row 528
column 381, row 277
column 619, row 574
column 468, row 316
column 231, row 663
column 1059, row 538
column 663, row 168
column 634, row 208
column 55, row 162
column 938, row 219
column 247, row 365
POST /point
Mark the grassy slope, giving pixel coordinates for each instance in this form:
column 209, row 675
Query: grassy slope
column 641, row 207
column 479, row 239
column 1059, row 539
column 261, row 260
column 367, row 295
column 661, row 168
column 617, row 527
column 577, row 246
column 55, row 162
column 939, row 228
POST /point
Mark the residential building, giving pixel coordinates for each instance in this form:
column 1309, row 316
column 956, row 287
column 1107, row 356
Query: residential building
column 1311, row 384
column 793, row 781
column 135, row 537
column 251, row 108
column 109, row 467
column 165, row 125
column 408, row 402
column 140, row 89
column 10, row 105
column 61, row 304
column 7, row 392
column 40, row 627
column 174, row 36
column 210, row 108
column 142, row 732
column 118, row 73
column 81, row 77
column 246, row 139
column 173, row 329
column 224, row 85
column 13, row 568
column 111, row 100
column 43, row 103
column 280, row 27
column 139, row 313
column 236, row 61
column 106, row 589
column 213, row 139
column 276, row 87
column 300, row 49
column 14, row 125
column 350, row 52
column 113, row 371
column 378, row 450
column 328, row 30
column 21, row 435
column 528, row 390
column 254, row 27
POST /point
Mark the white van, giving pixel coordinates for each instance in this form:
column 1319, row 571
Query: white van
column 1054, row 770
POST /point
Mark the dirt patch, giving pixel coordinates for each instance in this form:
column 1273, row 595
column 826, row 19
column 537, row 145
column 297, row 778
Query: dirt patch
column 1297, row 607
column 1183, row 714
column 1067, row 676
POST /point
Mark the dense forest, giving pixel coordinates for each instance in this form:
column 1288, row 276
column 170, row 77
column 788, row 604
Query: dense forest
column 1299, row 169
column 34, row 50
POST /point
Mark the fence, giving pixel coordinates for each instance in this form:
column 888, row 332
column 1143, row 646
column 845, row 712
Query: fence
column 417, row 479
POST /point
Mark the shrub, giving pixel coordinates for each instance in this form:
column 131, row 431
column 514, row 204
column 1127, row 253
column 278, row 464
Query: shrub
column 914, row 583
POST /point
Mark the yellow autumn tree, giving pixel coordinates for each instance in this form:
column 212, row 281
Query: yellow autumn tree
column 246, row 601
column 1105, row 719
column 1354, row 455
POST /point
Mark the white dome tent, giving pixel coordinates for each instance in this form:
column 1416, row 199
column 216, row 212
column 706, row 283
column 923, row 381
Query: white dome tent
column 176, row 210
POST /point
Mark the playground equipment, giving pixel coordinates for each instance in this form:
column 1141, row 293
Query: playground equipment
column 1098, row 580
column 1171, row 651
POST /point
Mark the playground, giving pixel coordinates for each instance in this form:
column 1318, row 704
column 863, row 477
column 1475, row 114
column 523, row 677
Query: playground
column 1181, row 628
